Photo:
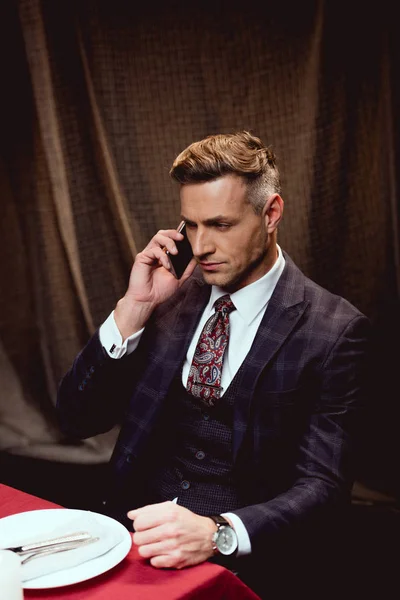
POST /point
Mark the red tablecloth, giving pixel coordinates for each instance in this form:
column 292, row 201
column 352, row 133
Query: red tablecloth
column 133, row 578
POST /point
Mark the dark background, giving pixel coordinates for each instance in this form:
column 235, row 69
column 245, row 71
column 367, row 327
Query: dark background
column 97, row 99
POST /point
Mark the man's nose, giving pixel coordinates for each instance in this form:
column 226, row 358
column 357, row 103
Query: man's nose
column 202, row 243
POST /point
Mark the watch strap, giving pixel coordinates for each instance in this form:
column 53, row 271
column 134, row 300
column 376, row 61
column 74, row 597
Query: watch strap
column 219, row 521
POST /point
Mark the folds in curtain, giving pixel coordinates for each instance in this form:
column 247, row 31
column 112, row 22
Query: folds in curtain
column 110, row 93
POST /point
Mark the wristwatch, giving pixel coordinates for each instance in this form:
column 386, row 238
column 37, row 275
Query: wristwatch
column 224, row 539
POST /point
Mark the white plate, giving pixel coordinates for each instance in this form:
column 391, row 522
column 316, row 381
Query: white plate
column 34, row 522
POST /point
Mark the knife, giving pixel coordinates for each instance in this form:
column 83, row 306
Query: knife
column 77, row 537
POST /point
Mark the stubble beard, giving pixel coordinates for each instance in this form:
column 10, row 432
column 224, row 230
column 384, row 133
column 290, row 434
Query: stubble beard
column 232, row 283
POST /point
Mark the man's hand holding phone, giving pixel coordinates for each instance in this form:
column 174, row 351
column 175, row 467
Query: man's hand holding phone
column 153, row 279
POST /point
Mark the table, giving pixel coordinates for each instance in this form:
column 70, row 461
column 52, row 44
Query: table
column 134, row 578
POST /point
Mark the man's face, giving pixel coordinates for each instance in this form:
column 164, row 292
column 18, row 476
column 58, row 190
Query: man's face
column 229, row 241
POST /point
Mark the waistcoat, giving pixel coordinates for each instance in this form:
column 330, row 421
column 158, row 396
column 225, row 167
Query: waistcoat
column 190, row 454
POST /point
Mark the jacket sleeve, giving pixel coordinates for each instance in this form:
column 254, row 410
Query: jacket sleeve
column 323, row 473
column 94, row 393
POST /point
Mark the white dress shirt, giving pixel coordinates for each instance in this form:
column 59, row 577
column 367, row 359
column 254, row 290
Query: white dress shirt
column 251, row 303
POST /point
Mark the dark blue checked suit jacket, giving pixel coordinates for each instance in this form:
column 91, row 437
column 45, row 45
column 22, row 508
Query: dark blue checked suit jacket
column 295, row 411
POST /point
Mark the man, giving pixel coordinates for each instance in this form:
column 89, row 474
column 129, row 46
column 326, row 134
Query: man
column 265, row 449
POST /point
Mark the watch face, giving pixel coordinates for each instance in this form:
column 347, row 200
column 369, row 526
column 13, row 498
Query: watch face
column 226, row 540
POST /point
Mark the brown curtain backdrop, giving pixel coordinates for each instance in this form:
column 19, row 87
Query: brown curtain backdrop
column 97, row 100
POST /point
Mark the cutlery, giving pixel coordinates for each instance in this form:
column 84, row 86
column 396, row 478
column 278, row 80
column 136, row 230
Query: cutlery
column 76, row 538
column 53, row 550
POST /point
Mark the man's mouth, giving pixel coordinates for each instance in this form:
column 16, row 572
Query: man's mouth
column 210, row 266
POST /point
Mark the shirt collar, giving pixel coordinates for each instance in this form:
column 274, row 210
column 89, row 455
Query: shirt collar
column 253, row 298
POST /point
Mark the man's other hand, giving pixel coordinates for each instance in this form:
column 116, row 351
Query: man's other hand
column 172, row 536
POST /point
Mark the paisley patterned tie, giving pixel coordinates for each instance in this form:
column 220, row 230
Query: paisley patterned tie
column 204, row 379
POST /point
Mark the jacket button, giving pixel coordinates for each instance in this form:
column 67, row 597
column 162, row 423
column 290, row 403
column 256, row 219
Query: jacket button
column 129, row 458
column 91, row 370
column 206, row 416
column 80, row 388
column 200, row 455
column 185, row 485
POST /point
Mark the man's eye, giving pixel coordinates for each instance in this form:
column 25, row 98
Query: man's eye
column 222, row 226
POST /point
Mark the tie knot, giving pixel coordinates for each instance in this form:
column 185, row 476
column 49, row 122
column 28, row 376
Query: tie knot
column 224, row 305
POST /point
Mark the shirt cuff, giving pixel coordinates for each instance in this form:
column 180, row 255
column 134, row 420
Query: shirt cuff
column 244, row 544
column 111, row 339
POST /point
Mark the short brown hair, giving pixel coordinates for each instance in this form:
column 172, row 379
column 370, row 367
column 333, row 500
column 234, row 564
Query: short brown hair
column 240, row 154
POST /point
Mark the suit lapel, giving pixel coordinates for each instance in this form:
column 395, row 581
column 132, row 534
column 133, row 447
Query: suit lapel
column 285, row 308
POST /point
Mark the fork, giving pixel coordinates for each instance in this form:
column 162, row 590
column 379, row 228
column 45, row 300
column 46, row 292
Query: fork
column 53, row 550
column 78, row 538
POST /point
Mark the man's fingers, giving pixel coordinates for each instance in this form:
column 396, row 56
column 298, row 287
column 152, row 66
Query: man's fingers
column 167, row 561
column 171, row 536
column 150, row 255
column 165, row 239
column 164, row 547
column 149, row 509
column 153, row 515
column 155, row 534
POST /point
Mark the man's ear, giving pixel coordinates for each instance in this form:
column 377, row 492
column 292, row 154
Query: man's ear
column 272, row 212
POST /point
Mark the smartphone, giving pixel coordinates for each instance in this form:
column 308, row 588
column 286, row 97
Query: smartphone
column 181, row 260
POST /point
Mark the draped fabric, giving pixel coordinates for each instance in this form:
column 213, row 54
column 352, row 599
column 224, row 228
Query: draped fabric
column 97, row 100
